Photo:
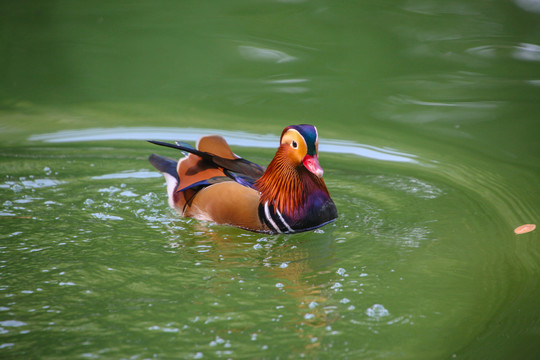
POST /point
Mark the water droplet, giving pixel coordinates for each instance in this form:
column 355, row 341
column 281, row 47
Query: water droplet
column 102, row 216
column 128, row 193
column 12, row 323
column 336, row 286
column 377, row 311
column 16, row 188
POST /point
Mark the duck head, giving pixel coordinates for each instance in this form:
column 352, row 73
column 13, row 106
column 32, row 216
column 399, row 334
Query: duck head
column 293, row 179
column 300, row 143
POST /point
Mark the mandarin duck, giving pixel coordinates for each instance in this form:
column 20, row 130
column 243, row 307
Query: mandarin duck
column 212, row 183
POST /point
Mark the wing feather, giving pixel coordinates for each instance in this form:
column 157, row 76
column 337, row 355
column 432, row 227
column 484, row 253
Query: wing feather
column 242, row 168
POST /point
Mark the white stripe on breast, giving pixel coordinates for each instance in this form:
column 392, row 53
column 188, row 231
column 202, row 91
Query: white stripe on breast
column 283, row 221
column 269, row 217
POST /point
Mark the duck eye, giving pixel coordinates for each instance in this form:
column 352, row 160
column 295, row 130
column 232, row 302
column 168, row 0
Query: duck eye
column 294, row 144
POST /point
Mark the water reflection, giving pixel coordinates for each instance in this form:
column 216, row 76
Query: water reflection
column 521, row 51
column 305, row 296
column 262, row 54
column 529, row 5
column 128, row 174
column 527, row 52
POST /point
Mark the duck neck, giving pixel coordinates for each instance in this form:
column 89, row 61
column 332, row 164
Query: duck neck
column 287, row 187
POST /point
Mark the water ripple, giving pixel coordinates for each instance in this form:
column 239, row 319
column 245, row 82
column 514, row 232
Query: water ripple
column 529, row 5
column 262, row 54
column 129, row 174
column 527, row 52
column 238, row 138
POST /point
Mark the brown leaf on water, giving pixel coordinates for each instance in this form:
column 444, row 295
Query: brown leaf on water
column 524, row 228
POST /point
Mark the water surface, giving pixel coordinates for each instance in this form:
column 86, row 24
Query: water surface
column 427, row 114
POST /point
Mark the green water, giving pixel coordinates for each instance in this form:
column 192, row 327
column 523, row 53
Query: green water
column 428, row 116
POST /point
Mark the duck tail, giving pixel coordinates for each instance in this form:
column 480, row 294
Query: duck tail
column 168, row 168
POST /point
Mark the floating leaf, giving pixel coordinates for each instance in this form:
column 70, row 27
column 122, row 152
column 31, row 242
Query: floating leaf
column 524, row 228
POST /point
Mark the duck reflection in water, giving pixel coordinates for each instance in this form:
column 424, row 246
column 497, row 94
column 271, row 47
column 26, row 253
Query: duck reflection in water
column 290, row 269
